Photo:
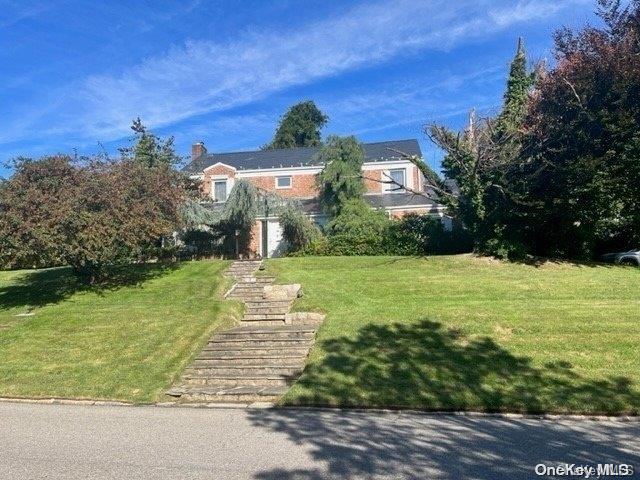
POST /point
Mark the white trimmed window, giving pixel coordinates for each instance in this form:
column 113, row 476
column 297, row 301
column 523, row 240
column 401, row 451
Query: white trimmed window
column 219, row 190
column 399, row 176
column 283, row 182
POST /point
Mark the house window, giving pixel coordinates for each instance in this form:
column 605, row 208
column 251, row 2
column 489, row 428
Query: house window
column 398, row 175
column 283, row 182
column 220, row 190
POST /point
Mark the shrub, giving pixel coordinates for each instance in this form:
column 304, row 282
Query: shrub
column 297, row 229
column 200, row 243
column 317, row 247
column 358, row 230
column 424, row 235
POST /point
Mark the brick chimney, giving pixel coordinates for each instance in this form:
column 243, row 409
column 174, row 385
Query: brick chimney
column 197, row 150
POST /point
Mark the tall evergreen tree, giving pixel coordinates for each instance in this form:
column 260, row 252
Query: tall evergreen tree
column 516, row 95
column 299, row 127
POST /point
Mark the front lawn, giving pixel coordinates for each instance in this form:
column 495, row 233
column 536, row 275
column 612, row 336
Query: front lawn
column 467, row 333
column 119, row 342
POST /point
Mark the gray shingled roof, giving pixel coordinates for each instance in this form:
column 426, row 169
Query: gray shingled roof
column 296, row 157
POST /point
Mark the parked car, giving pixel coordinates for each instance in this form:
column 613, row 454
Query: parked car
column 631, row 257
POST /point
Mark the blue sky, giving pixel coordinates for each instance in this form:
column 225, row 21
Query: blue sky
column 74, row 74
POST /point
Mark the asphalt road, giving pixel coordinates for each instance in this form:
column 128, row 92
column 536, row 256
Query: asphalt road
column 91, row 442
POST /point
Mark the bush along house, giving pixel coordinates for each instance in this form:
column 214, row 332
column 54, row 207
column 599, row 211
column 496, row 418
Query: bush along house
column 291, row 174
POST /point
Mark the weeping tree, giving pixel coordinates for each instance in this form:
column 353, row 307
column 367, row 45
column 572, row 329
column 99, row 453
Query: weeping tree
column 245, row 203
column 239, row 215
column 341, row 178
column 297, row 229
column 228, row 231
column 196, row 216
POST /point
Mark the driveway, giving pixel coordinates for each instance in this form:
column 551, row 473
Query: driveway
column 99, row 442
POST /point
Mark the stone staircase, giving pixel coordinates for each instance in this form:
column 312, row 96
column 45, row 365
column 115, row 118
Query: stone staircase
column 258, row 360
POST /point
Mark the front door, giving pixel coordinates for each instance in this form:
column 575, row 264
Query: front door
column 275, row 243
column 271, row 242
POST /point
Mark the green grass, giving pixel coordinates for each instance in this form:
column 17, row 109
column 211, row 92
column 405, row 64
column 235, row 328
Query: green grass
column 467, row 333
column 119, row 342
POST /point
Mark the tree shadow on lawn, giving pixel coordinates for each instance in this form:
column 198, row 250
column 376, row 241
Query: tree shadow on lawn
column 49, row 286
column 426, row 366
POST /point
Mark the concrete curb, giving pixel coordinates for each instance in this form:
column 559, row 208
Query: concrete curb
column 270, row 406
column 66, row 401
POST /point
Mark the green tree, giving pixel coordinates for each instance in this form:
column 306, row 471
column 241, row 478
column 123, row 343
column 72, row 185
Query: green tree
column 299, row 127
column 92, row 216
column 516, row 96
column 341, row 177
column 485, row 163
column 583, row 140
column 149, row 149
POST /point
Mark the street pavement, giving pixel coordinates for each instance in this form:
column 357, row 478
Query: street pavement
column 40, row 441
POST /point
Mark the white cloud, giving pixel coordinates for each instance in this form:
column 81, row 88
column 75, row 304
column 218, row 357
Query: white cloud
column 201, row 76
column 528, row 10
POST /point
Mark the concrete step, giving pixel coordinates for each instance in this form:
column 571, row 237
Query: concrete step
column 285, row 329
column 256, row 280
column 241, row 358
column 251, row 291
column 243, row 273
column 243, row 296
column 246, row 263
column 263, row 316
column 226, row 394
column 281, row 309
column 247, row 298
column 263, row 323
column 242, row 343
column 264, row 303
column 243, row 281
column 248, row 287
column 266, row 336
column 218, row 352
column 212, row 368
column 264, row 380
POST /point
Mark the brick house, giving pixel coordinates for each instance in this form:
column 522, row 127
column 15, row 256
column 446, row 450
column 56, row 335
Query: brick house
column 291, row 173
